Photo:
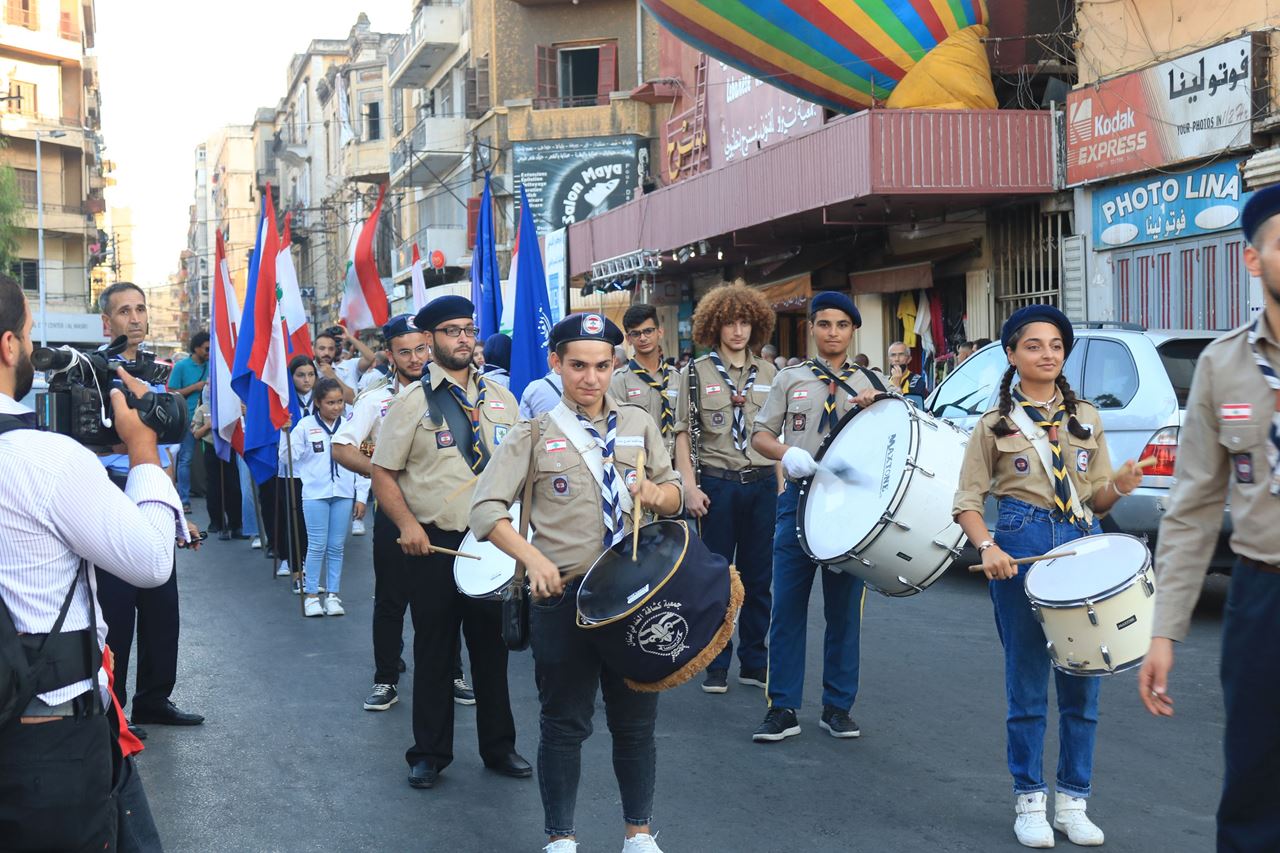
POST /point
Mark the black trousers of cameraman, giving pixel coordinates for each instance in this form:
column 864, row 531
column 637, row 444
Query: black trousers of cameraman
column 155, row 612
column 222, row 485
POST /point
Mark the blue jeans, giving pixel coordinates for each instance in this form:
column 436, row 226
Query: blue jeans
column 842, row 598
column 739, row 526
column 328, row 523
column 185, row 451
column 568, row 669
column 248, row 489
column 1025, row 530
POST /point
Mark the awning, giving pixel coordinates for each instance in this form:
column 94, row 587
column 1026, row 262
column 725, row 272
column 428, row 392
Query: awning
column 893, row 279
column 788, row 295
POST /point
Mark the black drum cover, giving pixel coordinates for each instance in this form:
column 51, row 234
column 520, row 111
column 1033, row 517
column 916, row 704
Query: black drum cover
column 661, row 619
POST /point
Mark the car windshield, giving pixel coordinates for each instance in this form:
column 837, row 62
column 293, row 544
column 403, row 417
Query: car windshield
column 967, row 390
column 1179, row 357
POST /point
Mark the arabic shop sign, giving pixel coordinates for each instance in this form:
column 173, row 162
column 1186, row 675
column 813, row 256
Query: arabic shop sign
column 1165, row 207
column 569, row 180
column 1193, row 106
column 747, row 114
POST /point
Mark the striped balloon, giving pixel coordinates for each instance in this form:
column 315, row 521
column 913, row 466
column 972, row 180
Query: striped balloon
column 842, row 54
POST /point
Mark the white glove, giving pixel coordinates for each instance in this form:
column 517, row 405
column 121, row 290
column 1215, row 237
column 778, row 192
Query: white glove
column 798, row 463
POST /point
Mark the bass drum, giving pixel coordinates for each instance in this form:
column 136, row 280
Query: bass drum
column 487, row 577
column 879, row 507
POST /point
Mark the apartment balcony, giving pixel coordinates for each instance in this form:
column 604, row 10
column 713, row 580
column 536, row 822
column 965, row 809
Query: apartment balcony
column 437, row 28
column 25, row 127
column 366, row 161
column 449, row 240
column 431, row 150
column 60, row 218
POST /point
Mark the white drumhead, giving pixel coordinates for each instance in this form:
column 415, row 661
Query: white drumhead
column 872, row 448
column 489, row 574
column 1101, row 563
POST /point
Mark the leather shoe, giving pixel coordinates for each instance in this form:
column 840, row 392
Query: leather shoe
column 224, row 535
column 422, row 775
column 137, row 731
column 166, row 715
column 511, row 764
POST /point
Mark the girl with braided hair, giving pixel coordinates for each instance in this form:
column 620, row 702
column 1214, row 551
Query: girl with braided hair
column 1041, row 453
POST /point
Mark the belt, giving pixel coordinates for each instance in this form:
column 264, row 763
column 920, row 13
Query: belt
column 743, row 476
column 1259, row 566
column 76, row 706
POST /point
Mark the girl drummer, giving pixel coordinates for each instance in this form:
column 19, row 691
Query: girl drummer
column 1042, row 455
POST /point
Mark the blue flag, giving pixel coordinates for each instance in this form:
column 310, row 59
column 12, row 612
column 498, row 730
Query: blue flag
column 486, row 288
column 261, row 438
column 531, row 326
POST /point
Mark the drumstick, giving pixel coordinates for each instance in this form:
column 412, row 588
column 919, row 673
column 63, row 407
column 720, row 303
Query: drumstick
column 461, row 489
column 635, row 509
column 1022, row 561
column 449, row 551
column 1147, row 463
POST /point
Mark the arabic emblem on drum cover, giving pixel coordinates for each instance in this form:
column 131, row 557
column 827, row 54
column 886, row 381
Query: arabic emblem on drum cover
column 660, row 630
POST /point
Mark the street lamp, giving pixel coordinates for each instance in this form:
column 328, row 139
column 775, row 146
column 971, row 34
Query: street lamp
column 44, row 327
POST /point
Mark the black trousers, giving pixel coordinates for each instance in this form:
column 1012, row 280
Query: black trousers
column 438, row 610
column 56, row 787
column 273, row 497
column 156, row 614
column 223, row 489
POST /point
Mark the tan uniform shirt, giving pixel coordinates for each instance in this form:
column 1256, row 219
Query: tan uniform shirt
column 716, row 411
column 201, row 418
column 1010, row 467
column 627, row 387
column 430, row 458
column 1224, row 451
column 797, row 402
column 566, row 514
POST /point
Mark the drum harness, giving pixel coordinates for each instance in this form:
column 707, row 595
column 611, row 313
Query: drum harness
column 1040, row 441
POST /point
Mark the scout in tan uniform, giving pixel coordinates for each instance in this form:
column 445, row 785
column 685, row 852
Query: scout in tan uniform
column 585, row 460
column 730, row 486
column 1042, row 454
column 436, row 437
column 1228, row 450
column 647, row 380
column 804, row 406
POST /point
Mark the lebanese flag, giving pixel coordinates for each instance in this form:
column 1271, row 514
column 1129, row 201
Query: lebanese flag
column 364, row 301
column 269, row 354
column 296, row 327
column 419, row 281
column 224, row 326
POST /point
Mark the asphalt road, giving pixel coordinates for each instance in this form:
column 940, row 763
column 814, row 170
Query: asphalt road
column 288, row 760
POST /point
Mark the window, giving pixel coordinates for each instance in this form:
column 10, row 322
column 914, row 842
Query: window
column 1110, row 376
column 22, row 13
column 27, row 272
column 373, row 121
column 968, row 390
column 397, row 114
column 575, row 75
column 1179, row 358
column 26, row 185
column 22, row 98
column 69, row 20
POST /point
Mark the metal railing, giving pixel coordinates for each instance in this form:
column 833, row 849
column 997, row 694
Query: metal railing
column 417, row 32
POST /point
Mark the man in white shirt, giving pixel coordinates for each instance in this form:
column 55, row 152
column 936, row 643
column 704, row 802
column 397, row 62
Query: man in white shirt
column 57, row 509
column 542, row 395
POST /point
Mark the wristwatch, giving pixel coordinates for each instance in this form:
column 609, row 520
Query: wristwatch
column 985, row 544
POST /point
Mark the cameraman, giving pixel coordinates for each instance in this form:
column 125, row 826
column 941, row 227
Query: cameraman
column 155, row 611
column 58, row 508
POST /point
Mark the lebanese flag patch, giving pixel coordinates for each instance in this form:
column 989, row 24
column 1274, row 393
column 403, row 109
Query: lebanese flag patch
column 555, row 444
column 800, row 395
column 634, row 392
column 1236, row 411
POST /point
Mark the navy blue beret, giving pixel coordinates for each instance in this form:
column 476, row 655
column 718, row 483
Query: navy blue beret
column 1263, row 205
column 444, row 308
column 1038, row 314
column 834, row 299
column 585, row 327
column 401, row 324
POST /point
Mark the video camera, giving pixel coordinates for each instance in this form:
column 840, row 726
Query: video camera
column 77, row 402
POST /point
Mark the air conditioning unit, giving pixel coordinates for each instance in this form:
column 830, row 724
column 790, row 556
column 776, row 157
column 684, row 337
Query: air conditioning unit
column 501, row 184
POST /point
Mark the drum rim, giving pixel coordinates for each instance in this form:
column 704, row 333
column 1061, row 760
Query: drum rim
column 1112, row 592
column 684, row 549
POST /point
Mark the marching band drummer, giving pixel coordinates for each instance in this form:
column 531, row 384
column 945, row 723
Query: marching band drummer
column 805, row 404
column 1042, row 454
column 579, row 509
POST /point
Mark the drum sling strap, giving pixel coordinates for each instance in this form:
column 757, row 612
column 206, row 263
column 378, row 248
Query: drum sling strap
column 1040, row 441
column 441, row 403
column 515, row 598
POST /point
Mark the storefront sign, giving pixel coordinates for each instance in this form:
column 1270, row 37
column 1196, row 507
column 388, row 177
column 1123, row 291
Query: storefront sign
column 555, row 261
column 569, row 180
column 63, row 328
column 748, row 114
column 1189, row 107
column 1164, row 207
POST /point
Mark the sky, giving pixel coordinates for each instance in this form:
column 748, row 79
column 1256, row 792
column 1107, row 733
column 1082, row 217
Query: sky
column 173, row 72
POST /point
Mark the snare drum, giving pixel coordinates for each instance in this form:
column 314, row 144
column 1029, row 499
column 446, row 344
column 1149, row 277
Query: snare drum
column 490, row 575
column 880, row 505
column 1097, row 607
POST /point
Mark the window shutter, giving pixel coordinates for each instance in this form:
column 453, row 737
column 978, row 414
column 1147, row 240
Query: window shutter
column 473, row 220
column 547, row 87
column 472, row 95
column 608, row 72
column 483, row 102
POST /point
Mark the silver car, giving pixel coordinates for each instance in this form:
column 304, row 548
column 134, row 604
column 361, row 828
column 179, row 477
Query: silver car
column 1138, row 379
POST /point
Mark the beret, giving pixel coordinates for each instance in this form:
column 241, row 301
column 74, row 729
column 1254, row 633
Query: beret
column 1264, row 204
column 585, row 327
column 834, row 299
column 497, row 351
column 444, row 308
column 1038, row 314
column 401, row 324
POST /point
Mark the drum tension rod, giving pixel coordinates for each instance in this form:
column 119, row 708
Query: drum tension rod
column 1053, row 652
column 888, row 519
column 1106, row 655
column 1035, row 611
column 1147, row 586
column 911, row 463
column 1093, row 617
column 955, row 550
column 906, row 582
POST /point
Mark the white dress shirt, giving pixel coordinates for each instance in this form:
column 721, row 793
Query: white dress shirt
column 58, row 505
column 313, row 463
column 541, row 395
column 366, row 415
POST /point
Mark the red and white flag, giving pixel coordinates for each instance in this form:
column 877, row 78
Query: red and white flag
column 419, row 281
column 224, row 326
column 269, row 357
column 296, row 327
column 364, row 301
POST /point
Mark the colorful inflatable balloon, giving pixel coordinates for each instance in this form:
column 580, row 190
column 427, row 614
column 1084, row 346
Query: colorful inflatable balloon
column 846, row 54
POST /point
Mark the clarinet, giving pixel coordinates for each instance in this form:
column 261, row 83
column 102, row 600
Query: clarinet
column 695, row 426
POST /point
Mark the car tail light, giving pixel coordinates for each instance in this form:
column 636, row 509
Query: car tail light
column 1163, row 447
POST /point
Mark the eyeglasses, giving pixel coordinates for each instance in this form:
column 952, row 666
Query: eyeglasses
column 421, row 349
column 642, row 333
column 455, row 331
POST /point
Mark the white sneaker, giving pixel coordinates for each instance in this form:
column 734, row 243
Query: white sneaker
column 282, row 570
column 333, row 605
column 1069, row 818
column 642, row 843
column 357, row 527
column 1031, row 827
column 312, row 607
column 256, row 543
column 564, row 845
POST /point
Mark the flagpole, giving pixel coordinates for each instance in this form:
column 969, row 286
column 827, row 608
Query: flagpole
column 299, row 570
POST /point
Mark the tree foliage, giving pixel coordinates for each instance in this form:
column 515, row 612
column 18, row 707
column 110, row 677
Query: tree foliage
column 11, row 218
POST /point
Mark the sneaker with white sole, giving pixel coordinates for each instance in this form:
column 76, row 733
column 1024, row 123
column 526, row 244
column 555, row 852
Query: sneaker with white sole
column 838, row 723
column 564, row 845
column 313, row 607
column 779, row 724
column 462, row 692
column 282, row 570
column 333, row 605
column 1031, row 827
column 357, row 527
column 256, row 543
column 382, row 697
column 641, row 843
column 1069, row 818
column 716, row 681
